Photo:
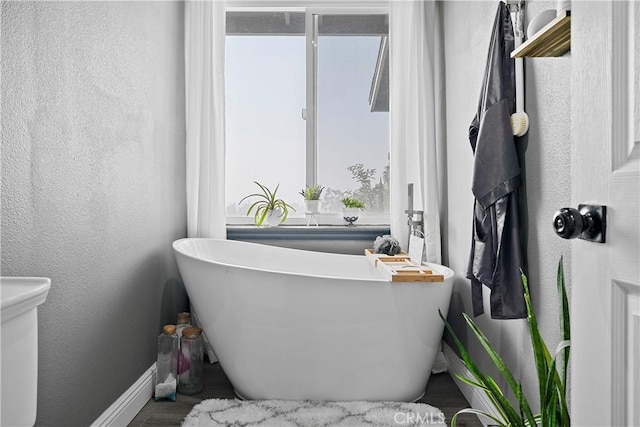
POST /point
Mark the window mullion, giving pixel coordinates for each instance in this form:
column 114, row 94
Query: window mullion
column 311, row 32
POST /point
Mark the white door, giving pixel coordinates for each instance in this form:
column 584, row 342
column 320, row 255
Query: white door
column 605, row 279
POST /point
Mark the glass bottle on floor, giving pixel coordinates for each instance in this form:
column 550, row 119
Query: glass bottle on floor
column 167, row 364
column 184, row 321
column 190, row 361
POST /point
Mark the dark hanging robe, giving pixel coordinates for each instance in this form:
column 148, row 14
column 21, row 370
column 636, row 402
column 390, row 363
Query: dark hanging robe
column 497, row 255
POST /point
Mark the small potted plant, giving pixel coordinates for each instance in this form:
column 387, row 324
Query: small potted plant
column 351, row 209
column 311, row 194
column 268, row 207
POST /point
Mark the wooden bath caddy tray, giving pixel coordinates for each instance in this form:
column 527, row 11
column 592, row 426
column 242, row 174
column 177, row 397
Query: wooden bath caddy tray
column 401, row 268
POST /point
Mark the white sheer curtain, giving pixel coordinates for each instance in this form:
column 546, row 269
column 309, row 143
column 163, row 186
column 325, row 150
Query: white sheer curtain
column 415, row 128
column 204, row 100
column 204, row 77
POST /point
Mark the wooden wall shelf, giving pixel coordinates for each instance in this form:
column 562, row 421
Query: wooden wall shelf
column 554, row 39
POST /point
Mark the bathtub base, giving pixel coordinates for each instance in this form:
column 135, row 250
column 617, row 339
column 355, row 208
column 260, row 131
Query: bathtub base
column 241, row 397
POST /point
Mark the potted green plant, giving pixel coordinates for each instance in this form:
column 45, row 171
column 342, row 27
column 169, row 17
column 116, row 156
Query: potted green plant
column 268, row 207
column 552, row 384
column 311, row 194
column 351, row 209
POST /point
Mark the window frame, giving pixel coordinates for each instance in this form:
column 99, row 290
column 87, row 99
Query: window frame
column 313, row 10
column 312, row 16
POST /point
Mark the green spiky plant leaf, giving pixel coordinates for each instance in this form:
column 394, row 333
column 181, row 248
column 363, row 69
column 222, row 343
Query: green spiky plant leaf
column 267, row 202
column 552, row 385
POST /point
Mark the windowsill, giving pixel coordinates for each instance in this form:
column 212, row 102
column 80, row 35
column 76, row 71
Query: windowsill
column 302, row 232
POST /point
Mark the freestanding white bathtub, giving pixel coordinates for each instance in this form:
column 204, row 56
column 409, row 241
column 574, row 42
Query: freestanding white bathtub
column 301, row 325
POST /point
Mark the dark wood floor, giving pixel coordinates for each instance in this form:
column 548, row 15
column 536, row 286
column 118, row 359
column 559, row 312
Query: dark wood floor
column 441, row 392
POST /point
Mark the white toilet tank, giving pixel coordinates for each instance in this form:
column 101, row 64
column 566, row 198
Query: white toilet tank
column 20, row 298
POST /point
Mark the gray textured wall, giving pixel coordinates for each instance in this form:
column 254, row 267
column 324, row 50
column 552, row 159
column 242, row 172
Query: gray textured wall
column 548, row 177
column 93, row 188
column 92, row 184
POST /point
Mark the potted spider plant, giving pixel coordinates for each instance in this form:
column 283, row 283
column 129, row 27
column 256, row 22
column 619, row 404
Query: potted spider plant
column 268, row 207
column 311, row 194
column 351, row 209
column 552, row 384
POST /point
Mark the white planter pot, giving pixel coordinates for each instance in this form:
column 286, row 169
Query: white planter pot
column 311, row 206
column 274, row 218
column 350, row 215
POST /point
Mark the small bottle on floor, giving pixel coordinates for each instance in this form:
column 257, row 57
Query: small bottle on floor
column 184, row 321
column 190, row 361
column 167, row 364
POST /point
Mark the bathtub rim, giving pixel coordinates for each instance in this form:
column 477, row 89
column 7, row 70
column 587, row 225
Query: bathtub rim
column 446, row 271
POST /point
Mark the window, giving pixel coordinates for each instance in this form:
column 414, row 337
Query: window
column 307, row 102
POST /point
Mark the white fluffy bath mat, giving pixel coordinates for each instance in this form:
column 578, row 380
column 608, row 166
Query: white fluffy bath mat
column 286, row 413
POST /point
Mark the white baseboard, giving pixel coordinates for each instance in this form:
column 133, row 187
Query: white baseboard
column 476, row 398
column 127, row 406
